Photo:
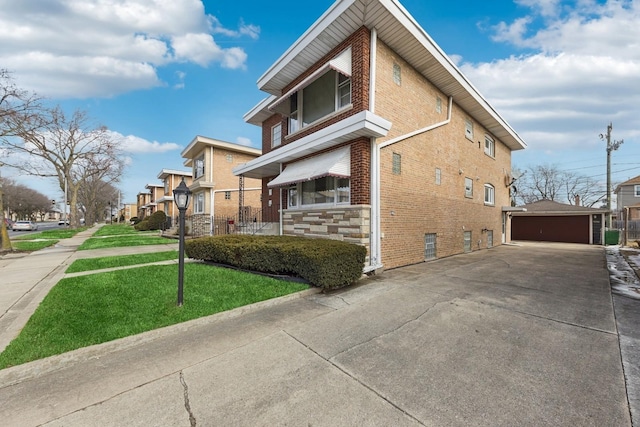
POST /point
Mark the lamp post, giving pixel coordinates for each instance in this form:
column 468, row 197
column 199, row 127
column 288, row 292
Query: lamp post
column 181, row 197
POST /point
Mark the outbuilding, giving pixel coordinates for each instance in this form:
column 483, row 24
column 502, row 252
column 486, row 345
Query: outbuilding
column 549, row 221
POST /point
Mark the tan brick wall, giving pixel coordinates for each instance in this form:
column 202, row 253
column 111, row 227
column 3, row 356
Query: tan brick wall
column 412, row 205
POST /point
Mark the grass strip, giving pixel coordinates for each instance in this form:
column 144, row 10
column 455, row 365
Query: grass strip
column 51, row 234
column 33, row 246
column 115, row 230
column 88, row 264
column 123, row 241
column 92, row 309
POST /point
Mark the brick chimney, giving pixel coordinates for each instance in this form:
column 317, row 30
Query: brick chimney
column 577, row 200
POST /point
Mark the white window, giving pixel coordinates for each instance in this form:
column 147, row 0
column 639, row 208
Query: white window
column 636, row 190
column 489, row 194
column 397, row 74
column 166, row 186
column 468, row 187
column 438, row 105
column 229, row 158
column 328, row 190
column 198, row 203
column 489, row 238
column 198, row 167
column 468, row 129
column 227, row 195
column 438, row 176
column 276, row 135
column 489, row 146
column 324, row 96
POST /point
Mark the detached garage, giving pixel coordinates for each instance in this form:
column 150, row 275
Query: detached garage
column 547, row 221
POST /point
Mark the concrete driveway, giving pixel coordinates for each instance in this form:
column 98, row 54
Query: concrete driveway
column 516, row 335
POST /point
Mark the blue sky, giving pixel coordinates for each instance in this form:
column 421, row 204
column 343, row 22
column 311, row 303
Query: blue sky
column 159, row 73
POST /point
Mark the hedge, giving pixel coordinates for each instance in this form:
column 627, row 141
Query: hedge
column 154, row 222
column 329, row 264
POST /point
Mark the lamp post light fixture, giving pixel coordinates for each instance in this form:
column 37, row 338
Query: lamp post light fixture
column 181, row 197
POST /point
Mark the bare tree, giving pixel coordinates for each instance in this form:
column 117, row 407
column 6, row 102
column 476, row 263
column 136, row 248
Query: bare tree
column 549, row 182
column 24, row 203
column 94, row 195
column 70, row 149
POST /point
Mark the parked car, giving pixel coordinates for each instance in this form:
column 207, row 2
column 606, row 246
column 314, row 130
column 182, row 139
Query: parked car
column 24, row 226
column 63, row 222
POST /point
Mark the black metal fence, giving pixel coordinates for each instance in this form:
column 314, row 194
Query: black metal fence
column 249, row 221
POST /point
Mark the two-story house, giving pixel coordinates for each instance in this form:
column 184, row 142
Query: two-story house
column 372, row 135
column 217, row 201
column 156, row 192
column 171, row 178
column 142, row 201
column 628, row 199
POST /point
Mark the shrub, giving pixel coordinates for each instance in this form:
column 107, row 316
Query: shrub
column 155, row 221
column 142, row 225
column 329, row 264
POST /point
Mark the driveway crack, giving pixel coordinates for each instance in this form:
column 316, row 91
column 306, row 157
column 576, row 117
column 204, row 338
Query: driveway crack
column 187, row 405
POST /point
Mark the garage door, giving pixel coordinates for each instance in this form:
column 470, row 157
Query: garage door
column 569, row 229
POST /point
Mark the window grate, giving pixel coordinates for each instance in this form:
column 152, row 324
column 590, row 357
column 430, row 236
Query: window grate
column 430, row 246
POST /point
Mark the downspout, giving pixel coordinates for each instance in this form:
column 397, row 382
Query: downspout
column 280, row 215
column 376, row 210
column 374, row 240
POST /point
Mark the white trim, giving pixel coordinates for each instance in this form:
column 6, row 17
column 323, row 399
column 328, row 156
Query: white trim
column 363, row 123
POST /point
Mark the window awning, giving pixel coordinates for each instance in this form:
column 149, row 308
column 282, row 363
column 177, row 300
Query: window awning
column 334, row 163
column 341, row 63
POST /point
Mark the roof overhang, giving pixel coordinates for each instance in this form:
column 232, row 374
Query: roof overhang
column 401, row 32
column 587, row 211
column 165, row 173
column 199, row 143
column 363, row 124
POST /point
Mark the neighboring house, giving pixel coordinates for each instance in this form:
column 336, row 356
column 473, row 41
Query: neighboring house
column 128, row 211
column 549, row 221
column 215, row 189
column 170, row 180
column 156, row 192
column 143, row 199
column 372, row 135
column 628, row 199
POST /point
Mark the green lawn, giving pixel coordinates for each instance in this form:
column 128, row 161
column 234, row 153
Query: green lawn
column 87, row 310
column 63, row 233
column 116, row 229
column 33, row 246
column 124, row 240
column 88, row 264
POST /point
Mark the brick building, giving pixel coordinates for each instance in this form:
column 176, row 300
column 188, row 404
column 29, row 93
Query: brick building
column 171, row 178
column 381, row 141
column 216, row 190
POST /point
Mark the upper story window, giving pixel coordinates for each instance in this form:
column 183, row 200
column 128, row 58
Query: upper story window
column 166, row 186
column 229, row 158
column 489, row 146
column 227, row 195
column 636, row 190
column 468, row 129
column 396, row 164
column 397, row 74
column 198, row 203
column 324, row 96
column 489, row 195
column 198, row 167
column 438, row 105
column 276, row 135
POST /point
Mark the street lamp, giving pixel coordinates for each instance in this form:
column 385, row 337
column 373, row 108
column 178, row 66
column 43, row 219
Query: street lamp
column 181, row 197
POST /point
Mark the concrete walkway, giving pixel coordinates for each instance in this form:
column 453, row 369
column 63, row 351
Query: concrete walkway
column 516, row 335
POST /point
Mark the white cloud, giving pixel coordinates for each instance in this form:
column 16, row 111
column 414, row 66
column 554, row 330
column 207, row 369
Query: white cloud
column 244, row 141
column 93, row 48
column 582, row 71
column 135, row 144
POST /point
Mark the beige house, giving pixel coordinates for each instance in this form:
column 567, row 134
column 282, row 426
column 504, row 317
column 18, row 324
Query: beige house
column 171, row 179
column 215, row 189
column 128, row 211
column 142, row 200
column 372, row 135
column 156, row 192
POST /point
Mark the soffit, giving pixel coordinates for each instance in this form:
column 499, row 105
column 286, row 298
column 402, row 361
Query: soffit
column 399, row 30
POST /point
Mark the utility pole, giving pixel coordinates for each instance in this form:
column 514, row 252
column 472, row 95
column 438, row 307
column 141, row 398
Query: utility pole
column 5, row 243
column 611, row 146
